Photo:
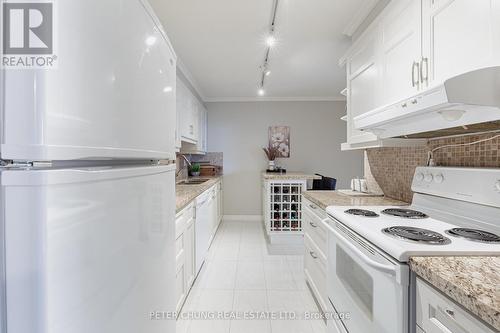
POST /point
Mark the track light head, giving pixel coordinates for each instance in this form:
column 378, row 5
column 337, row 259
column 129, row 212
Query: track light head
column 270, row 41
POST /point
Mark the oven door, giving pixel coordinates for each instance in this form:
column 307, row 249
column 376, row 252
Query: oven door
column 367, row 289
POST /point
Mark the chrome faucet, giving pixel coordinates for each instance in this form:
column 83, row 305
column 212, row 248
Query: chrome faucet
column 187, row 162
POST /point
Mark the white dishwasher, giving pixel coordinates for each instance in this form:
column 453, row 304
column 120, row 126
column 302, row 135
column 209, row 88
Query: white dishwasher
column 202, row 228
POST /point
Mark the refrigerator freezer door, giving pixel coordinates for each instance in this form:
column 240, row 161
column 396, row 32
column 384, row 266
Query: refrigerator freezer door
column 89, row 250
column 112, row 94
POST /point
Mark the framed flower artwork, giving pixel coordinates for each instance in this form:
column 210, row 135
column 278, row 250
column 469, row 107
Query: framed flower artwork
column 279, row 138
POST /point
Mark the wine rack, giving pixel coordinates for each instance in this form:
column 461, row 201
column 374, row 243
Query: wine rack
column 283, row 206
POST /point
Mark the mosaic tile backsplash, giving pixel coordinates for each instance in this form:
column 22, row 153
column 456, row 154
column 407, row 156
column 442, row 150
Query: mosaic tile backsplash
column 214, row 158
column 393, row 168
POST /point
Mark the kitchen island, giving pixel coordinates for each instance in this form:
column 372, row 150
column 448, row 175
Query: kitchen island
column 282, row 210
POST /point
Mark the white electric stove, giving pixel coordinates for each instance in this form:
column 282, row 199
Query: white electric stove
column 455, row 211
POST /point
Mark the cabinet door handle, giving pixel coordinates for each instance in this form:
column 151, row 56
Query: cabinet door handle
column 413, row 74
column 415, row 83
column 313, row 225
column 424, row 78
column 313, row 254
column 312, row 206
column 450, row 312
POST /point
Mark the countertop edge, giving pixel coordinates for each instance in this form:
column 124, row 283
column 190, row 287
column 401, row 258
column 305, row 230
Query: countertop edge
column 196, row 190
column 372, row 201
column 289, row 176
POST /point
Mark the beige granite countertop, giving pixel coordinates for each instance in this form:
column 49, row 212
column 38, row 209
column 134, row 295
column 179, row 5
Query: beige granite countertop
column 473, row 282
column 289, row 175
column 333, row 198
column 184, row 194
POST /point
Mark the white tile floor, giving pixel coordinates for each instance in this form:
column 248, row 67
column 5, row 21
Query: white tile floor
column 238, row 276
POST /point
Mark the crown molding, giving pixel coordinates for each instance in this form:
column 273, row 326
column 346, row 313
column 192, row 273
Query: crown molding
column 187, row 74
column 359, row 17
column 276, row 99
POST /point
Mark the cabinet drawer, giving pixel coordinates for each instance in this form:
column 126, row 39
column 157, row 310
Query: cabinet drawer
column 315, row 272
column 179, row 251
column 436, row 313
column 316, row 230
column 180, row 288
column 314, row 209
column 183, row 219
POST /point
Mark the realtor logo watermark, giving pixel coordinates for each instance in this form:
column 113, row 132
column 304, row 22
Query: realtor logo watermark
column 28, row 34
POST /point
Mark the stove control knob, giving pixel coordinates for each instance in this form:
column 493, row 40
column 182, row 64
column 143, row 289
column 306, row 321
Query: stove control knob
column 429, row 178
column 439, row 178
column 419, row 176
column 497, row 185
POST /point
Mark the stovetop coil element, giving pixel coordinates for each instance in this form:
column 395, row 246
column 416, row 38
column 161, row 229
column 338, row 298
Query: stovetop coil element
column 361, row 212
column 405, row 213
column 419, row 235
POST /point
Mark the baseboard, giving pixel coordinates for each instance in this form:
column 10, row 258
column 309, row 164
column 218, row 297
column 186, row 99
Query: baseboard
column 244, row 218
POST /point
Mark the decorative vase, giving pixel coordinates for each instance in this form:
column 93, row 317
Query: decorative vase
column 271, row 165
column 195, row 174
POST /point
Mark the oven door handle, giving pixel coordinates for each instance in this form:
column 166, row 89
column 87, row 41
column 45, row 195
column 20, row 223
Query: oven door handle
column 389, row 269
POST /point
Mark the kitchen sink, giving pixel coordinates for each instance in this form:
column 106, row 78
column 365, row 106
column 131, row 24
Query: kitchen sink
column 193, row 181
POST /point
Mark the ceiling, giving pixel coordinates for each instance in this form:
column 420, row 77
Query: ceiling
column 222, row 44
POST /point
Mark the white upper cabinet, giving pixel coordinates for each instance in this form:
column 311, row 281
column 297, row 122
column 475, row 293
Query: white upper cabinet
column 203, row 129
column 178, row 108
column 187, row 110
column 364, row 92
column 410, row 48
column 460, row 36
column 362, row 84
column 401, row 50
column 200, row 147
column 192, row 122
column 194, row 119
column 364, row 76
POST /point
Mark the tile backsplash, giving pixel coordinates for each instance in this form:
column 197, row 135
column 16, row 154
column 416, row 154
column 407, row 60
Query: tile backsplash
column 213, row 158
column 393, row 168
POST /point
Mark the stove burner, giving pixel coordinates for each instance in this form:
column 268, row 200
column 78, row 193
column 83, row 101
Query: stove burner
column 417, row 235
column 405, row 213
column 361, row 212
column 474, row 235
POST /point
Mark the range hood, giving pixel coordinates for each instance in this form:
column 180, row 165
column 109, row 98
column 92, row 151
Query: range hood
column 466, row 99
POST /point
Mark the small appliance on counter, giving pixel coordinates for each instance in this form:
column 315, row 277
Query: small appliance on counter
column 359, row 188
column 359, row 185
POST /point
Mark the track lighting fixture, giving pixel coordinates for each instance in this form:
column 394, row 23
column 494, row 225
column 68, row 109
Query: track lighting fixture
column 270, row 42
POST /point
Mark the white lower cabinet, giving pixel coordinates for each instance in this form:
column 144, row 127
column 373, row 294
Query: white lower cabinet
column 184, row 249
column 189, row 255
column 438, row 314
column 316, row 251
column 220, row 205
column 212, row 207
column 187, row 224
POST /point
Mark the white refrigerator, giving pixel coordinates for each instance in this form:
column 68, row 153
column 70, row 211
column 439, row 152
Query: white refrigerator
column 87, row 177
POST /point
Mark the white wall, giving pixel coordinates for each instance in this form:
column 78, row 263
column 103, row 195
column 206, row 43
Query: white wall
column 240, row 130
